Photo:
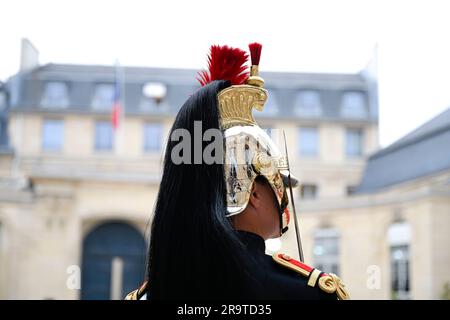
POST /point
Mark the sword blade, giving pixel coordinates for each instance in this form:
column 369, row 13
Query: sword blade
column 297, row 229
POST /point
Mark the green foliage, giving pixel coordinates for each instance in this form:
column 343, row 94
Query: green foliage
column 446, row 291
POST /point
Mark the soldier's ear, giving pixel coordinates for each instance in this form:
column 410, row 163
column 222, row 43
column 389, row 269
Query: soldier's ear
column 256, row 194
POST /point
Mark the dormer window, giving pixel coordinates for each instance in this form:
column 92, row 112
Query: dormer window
column 353, row 105
column 55, row 95
column 103, row 96
column 308, row 104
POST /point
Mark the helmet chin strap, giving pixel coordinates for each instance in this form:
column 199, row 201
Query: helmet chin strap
column 297, row 229
column 281, row 215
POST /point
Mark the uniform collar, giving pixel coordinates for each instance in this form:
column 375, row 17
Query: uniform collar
column 252, row 241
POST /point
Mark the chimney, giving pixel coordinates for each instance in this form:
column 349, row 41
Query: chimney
column 29, row 55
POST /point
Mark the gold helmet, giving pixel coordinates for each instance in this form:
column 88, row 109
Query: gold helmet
column 249, row 151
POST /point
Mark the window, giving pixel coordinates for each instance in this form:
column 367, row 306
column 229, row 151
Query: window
column 400, row 272
column 309, row 142
column 271, row 106
column 103, row 97
column 354, row 142
column 353, row 105
column 307, row 104
column 399, row 236
column 308, row 191
column 152, row 137
column 52, row 135
column 103, row 136
column 326, row 250
column 55, row 95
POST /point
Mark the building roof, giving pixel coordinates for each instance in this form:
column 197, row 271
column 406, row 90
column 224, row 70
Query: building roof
column 28, row 88
column 422, row 152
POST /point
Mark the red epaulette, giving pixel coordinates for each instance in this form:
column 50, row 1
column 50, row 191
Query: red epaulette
column 328, row 282
column 138, row 293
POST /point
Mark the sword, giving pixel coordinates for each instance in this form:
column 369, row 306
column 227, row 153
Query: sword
column 297, row 229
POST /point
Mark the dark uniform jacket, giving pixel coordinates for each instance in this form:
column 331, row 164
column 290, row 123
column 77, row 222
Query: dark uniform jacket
column 279, row 277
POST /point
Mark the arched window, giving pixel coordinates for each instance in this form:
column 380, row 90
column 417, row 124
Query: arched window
column 326, row 250
column 399, row 237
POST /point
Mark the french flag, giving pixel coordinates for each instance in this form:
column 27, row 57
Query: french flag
column 117, row 108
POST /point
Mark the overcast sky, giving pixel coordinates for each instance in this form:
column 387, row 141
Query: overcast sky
column 315, row 36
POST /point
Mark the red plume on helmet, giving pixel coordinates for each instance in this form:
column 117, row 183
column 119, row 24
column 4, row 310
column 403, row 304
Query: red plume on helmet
column 225, row 63
column 255, row 52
